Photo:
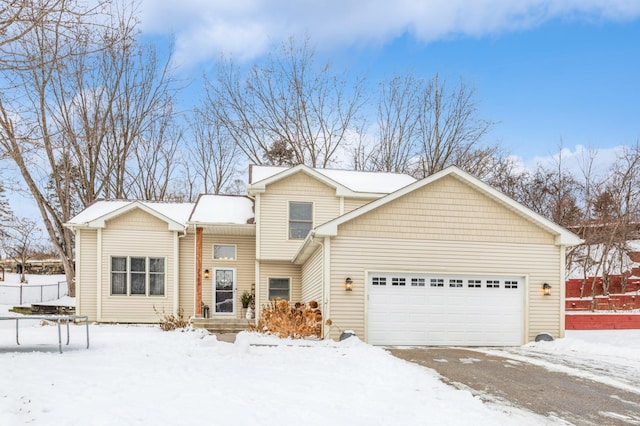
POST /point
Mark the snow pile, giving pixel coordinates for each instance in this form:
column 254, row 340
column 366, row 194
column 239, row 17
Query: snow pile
column 141, row 375
column 589, row 259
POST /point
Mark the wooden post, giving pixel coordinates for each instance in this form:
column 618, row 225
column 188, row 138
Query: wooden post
column 198, row 272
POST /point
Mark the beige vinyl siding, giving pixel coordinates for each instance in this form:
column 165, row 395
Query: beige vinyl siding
column 274, row 210
column 351, row 204
column 447, row 209
column 354, row 257
column 244, row 266
column 312, row 278
column 279, row 270
column 136, row 233
column 88, row 270
column 187, row 278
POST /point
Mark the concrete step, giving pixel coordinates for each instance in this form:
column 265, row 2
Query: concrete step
column 224, row 325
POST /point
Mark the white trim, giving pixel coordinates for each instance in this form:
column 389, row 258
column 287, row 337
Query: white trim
column 233, row 291
column 78, row 275
column 279, row 277
column 313, row 211
column 326, row 296
column 99, row 280
column 563, row 289
column 563, row 236
column 176, row 272
column 235, row 252
column 258, row 225
column 100, row 222
column 341, row 190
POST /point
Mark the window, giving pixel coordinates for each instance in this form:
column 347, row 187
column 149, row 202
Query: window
column 156, row 276
column 118, row 275
column 493, row 284
column 279, row 288
column 398, row 281
column 474, row 283
column 417, row 282
column 455, row 283
column 511, row 284
column 138, row 276
column 436, row 282
column 300, row 219
column 379, row 281
column 224, row 252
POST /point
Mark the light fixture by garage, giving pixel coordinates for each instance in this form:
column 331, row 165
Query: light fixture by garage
column 348, row 284
column 546, row 289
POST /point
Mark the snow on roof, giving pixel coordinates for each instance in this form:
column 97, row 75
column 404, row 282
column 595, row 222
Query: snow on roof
column 178, row 212
column 357, row 181
column 222, row 209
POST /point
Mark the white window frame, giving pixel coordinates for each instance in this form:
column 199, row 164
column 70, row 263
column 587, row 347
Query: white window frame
column 278, row 278
column 289, row 220
column 147, row 273
column 235, row 252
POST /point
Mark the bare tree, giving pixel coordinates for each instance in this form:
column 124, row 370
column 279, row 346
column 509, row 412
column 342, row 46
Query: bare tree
column 289, row 104
column 398, row 119
column 213, row 155
column 18, row 241
column 71, row 129
column 449, row 131
column 20, row 19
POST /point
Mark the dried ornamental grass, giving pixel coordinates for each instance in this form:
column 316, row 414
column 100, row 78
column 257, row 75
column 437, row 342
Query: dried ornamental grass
column 280, row 318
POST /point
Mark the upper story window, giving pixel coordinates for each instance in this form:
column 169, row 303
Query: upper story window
column 224, row 252
column 300, row 219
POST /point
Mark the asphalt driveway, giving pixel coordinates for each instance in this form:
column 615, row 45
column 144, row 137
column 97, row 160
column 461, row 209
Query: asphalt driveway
column 553, row 394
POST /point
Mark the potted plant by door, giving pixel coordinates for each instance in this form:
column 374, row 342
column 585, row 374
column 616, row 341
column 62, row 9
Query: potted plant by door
column 245, row 299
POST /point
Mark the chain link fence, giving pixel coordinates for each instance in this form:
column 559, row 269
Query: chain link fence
column 20, row 294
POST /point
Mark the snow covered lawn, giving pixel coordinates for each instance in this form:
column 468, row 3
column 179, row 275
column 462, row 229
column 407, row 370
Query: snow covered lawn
column 142, row 375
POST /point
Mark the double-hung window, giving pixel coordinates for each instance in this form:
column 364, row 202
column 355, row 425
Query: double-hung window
column 279, row 288
column 300, row 219
column 138, row 276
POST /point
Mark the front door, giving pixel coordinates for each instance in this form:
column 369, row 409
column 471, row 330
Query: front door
column 224, row 291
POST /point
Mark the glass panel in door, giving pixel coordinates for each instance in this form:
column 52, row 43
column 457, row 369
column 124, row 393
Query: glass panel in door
column 223, row 294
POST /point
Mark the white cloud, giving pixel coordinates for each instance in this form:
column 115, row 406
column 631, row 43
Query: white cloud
column 246, row 28
column 577, row 160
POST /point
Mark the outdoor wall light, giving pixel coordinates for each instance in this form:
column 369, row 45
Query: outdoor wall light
column 207, row 274
column 546, row 289
column 348, row 284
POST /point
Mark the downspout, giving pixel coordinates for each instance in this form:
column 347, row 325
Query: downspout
column 177, row 235
column 78, row 276
column 326, row 281
column 563, row 289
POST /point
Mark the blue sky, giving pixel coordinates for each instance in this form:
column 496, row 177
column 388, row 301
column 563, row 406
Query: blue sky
column 549, row 73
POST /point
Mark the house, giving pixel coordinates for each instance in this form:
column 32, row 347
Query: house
column 446, row 260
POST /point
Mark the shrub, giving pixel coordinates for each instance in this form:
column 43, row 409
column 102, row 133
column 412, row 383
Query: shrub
column 169, row 322
column 281, row 319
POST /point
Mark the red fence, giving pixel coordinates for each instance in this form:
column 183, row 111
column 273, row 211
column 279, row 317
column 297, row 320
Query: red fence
column 574, row 285
column 579, row 321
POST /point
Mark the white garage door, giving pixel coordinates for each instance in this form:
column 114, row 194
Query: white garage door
column 428, row 309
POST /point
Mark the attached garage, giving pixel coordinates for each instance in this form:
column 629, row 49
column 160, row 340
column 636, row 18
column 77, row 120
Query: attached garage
column 437, row 309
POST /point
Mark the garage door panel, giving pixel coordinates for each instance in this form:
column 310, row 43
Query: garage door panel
column 455, row 311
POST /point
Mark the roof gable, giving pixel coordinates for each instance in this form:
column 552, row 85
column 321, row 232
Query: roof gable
column 562, row 236
column 97, row 214
column 345, row 182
